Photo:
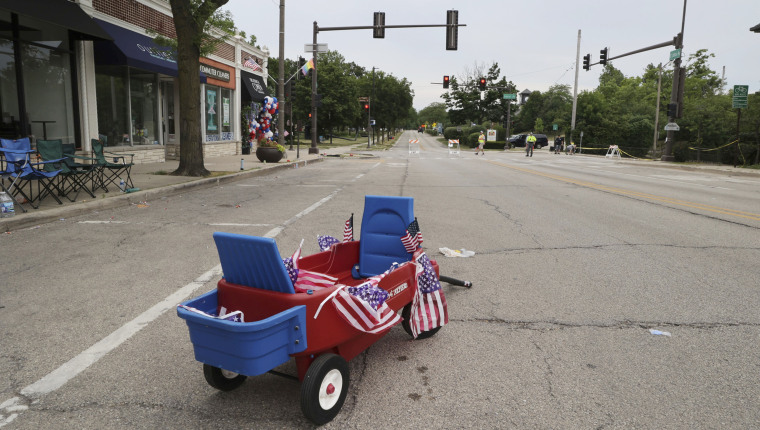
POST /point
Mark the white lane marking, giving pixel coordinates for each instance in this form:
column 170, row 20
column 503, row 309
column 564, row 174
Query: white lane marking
column 60, row 376
column 103, row 222
column 57, row 378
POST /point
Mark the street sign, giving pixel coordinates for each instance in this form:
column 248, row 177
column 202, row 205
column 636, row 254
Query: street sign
column 363, row 99
column 675, row 54
column 555, row 127
column 309, row 47
column 671, row 126
column 740, row 96
column 510, row 96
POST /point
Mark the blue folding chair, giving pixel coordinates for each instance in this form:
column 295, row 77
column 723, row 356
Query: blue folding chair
column 20, row 168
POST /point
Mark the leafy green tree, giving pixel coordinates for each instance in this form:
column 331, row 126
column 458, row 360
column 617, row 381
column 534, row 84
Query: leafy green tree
column 200, row 26
column 434, row 113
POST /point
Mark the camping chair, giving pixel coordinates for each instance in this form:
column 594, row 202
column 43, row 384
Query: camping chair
column 91, row 167
column 109, row 172
column 18, row 157
column 70, row 180
column 7, row 171
column 384, row 222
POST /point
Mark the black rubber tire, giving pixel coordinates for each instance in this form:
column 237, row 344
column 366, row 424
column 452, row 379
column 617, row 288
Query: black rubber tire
column 406, row 313
column 328, row 369
column 222, row 380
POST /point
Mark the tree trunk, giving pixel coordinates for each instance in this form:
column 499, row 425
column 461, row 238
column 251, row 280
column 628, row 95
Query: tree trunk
column 188, row 54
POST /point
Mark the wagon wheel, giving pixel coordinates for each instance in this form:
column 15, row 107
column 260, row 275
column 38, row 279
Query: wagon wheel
column 406, row 315
column 221, row 379
column 324, row 388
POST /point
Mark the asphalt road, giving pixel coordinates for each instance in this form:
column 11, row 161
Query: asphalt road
column 577, row 259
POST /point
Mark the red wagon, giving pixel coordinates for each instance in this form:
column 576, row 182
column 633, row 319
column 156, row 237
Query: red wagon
column 321, row 328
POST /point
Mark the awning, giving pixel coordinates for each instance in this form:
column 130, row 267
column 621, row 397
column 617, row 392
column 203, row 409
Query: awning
column 133, row 49
column 755, row 29
column 59, row 12
column 255, row 85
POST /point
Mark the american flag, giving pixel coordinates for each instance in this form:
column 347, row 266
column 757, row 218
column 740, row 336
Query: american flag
column 325, row 242
column 365, row 309
column 348, row 230
column 429, row 305
column 292, row 271
column 413, row 237
column 252, row 64
column 308, row 280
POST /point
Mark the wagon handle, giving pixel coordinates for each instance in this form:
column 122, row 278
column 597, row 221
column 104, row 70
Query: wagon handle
column 456, row 282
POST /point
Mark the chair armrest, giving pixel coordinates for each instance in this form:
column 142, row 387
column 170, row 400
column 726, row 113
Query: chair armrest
column 122, row 155
column 80, row 157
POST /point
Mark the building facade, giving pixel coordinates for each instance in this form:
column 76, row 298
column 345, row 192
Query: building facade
column 78, row 70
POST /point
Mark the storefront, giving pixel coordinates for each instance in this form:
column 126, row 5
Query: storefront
column 219, row 113
column 40, row 56
column 135, row 89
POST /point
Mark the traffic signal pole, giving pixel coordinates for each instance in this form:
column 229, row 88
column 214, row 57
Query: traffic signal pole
column 450, row 33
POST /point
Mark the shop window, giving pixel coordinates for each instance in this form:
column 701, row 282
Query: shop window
column 219, row 113
column 143, row 91
column 10, row 123
column 112, row 83
column 48, row 92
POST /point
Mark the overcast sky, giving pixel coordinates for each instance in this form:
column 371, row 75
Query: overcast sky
column 534, row 42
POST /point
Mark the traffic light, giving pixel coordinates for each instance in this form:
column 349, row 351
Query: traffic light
column 482, row 84
column 586, row 62
column 452, row 29
column 366, row 106
column 445, row 81
column 379, row 31
column 289, row 89
column 603, row 56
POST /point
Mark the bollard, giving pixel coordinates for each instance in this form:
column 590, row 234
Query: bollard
column 241, row 164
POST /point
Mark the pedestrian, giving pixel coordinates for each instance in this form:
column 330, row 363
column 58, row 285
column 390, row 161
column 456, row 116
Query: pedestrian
column 530, row 142
column 481, row 144
column 570, row 148
column 558, row 144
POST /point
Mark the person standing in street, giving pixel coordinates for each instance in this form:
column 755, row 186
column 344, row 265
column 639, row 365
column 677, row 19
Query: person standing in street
column 558, row 144
column 530, row 142
column 481, row 144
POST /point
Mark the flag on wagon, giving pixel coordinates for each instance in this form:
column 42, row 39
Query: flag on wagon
column 308, row 280
column 363, row 306
column 325, row 242
column 429, row 308
column 348, row 229
column 413, row 237
column 234, row 316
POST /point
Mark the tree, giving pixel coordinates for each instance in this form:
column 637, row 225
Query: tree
column 434, row 112
column 193, row 22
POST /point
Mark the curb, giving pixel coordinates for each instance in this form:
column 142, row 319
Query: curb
column 31, row 219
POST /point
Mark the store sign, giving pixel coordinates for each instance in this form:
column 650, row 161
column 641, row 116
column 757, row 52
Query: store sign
column 214, row 73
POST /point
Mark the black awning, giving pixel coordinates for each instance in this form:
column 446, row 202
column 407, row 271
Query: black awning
column 59, row 12
column 756, row 28
column 255, row 85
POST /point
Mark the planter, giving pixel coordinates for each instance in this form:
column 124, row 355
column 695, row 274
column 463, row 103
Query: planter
column 268, row 155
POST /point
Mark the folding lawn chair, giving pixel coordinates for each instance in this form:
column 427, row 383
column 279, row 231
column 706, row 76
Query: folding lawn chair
column 110, row 173
column 20, row 168
column 70, row 180
column 90, row 167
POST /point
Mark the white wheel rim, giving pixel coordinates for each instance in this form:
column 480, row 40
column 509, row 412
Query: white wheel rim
column 229, row 375
column 330, row 389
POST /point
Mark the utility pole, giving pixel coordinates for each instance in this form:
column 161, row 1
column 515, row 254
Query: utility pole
column 657, row 114
column 575, row 90
column 313, row 148
column 281, row 77
column 676, row 95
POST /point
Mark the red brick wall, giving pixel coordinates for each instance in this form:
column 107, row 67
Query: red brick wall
column 150, row 19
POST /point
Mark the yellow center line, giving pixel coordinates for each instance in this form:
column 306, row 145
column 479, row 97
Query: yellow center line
column 677, row 202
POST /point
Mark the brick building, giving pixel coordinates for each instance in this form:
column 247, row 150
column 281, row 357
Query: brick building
column 74, row 70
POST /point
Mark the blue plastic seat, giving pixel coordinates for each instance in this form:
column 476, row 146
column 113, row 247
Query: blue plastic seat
column 252, row 261
column 384, row 222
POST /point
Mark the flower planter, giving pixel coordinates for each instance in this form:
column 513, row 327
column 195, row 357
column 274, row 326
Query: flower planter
column 268, row 155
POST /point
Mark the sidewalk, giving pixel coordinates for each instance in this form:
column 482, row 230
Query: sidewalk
column 154, row 182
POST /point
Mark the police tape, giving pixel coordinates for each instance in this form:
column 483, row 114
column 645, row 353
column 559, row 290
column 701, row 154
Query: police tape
column 713, row 149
